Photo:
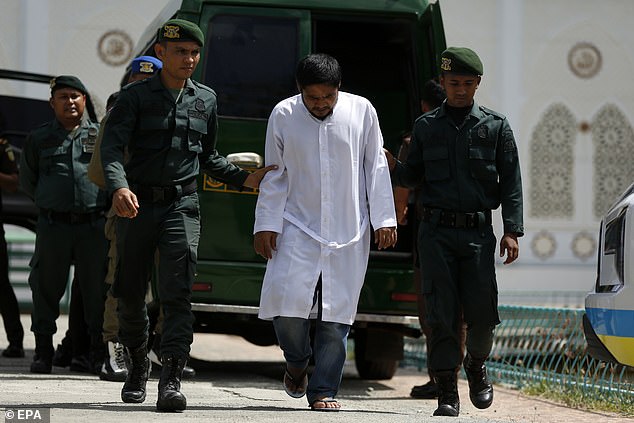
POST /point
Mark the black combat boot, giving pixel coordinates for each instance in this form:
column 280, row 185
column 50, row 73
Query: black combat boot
column 169, row 396
column 480, row 389
column 448, row 400
column 154, row 355
column 138, row 373
column 43, row 358
column 64, row 352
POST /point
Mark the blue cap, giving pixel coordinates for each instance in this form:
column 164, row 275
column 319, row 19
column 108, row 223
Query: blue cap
column 145, row 64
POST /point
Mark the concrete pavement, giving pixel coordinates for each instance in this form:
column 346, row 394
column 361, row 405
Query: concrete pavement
column 240, row 382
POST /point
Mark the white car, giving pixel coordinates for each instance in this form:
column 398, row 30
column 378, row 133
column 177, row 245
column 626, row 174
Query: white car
column 609, row 320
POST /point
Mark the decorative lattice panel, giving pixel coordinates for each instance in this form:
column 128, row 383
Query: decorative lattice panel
column 613, row 140
column 552, row 163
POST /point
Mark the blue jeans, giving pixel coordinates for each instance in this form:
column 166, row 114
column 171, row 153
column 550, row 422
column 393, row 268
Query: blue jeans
column 329, row 352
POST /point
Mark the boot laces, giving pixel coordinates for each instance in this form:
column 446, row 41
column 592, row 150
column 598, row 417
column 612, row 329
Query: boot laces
column 476, row 369
column 119, row 356
column 138, row 373
column 175, row 372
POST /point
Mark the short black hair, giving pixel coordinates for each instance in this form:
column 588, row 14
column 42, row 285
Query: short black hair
column 433, row 94
column 318, row 68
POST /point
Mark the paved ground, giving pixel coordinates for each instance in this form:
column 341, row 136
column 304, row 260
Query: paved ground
column 239, row 382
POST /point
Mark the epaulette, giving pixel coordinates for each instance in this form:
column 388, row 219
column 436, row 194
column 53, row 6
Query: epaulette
column 430, row 114
column 42, row 126
column 203, row 87
column 135, row 83
column 490, row 112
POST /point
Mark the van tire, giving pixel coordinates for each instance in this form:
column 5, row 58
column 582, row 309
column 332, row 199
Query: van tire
column 377, row 353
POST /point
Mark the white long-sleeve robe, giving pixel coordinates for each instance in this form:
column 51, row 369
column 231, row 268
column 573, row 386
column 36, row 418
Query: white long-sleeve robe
column 332, row 183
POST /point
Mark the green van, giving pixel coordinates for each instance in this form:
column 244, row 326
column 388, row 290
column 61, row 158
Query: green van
column 387, row 50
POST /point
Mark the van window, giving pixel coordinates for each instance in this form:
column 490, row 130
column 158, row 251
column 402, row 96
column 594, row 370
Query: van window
column 257, row 69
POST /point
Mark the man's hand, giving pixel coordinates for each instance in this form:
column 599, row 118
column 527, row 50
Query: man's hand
column 385, row 237
column 265, row 243
column 254, row 179
column 511, row 246
column 391, row 161
column 124, row 203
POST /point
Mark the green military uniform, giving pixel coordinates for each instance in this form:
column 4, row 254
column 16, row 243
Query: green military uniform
column 168, row 142
column 464, row 170
column 70, row 226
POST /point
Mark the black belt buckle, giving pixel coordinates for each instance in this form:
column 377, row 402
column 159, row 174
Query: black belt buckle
column 460, row 220
column 75, row 218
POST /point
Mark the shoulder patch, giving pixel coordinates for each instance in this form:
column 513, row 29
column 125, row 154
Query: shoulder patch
column 509, row 141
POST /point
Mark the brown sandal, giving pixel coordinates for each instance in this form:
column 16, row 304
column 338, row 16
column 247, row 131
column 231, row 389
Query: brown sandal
column 325, row 401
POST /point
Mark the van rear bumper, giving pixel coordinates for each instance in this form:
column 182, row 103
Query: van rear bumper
column 361, row 317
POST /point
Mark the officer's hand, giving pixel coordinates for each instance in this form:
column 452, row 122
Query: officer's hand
column 391, row 161
column 124, row 203
column 264, row 243
column 511, row 246
column 385, row 237
column 401, row 200
column 254, row 179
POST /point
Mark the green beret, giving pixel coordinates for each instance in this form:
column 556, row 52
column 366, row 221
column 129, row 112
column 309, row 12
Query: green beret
column 67, row 81
column 181, row 30
column 461, row 60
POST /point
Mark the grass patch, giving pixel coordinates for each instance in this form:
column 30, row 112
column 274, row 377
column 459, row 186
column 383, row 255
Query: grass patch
column 582, row 399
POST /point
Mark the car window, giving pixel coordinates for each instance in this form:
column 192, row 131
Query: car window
column 19, row 116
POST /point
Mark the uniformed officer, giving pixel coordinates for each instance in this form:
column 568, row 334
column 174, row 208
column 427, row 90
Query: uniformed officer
column 464, row 158
column 114, row 367
column 70, row 226
column 8, row 302
column 168, row 124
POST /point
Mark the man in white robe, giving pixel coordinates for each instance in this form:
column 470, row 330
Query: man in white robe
column 313, row 220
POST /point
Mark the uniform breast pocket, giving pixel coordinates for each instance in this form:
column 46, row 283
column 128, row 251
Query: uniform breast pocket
column 197, row 128
column 482, row 163
column 55, row 161
column 436, row 161
column 154, row 132
column 87, row 149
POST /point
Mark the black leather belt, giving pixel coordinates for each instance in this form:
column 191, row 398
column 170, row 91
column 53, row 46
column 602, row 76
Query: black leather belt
column 455, row 219
column 71, row 217
column 163, row 194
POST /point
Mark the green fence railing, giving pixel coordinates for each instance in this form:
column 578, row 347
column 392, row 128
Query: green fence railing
column 538, row 345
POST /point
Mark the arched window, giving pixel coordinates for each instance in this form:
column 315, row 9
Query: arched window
column 613, row 158
column 552, row 164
